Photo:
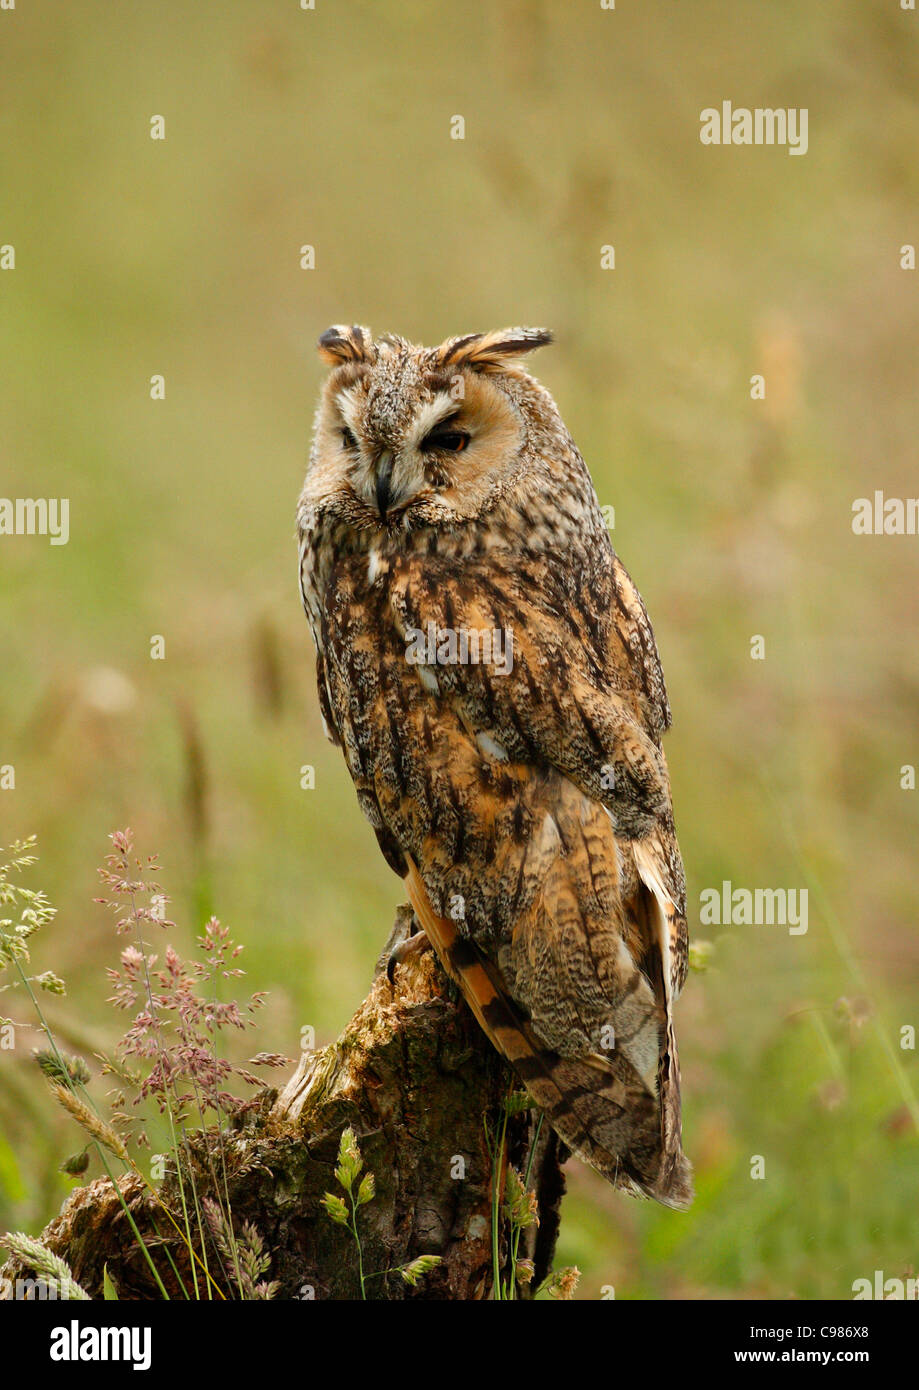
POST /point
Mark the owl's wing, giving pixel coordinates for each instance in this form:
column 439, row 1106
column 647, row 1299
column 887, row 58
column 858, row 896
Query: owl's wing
column 329, row 727
column 566, row 694
column 582, row 928
column 636, row 638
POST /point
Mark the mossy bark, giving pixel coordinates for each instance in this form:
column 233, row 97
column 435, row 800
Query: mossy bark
column 422, row 1089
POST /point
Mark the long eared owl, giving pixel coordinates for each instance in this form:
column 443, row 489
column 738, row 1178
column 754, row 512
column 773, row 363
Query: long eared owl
column 490, row 673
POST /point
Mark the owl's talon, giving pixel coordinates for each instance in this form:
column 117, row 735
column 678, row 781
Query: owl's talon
column 410, row 947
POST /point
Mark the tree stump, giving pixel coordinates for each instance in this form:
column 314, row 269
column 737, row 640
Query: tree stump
column 422, row 1089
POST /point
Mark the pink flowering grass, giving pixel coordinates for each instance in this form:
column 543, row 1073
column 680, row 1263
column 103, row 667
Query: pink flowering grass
column 169, row 1054
column 179, row 1016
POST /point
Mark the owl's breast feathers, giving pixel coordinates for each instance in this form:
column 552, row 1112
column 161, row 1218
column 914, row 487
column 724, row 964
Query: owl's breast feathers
column 517, row 784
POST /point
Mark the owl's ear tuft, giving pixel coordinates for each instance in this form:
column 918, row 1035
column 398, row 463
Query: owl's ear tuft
column 345, row 343
column 490, row 352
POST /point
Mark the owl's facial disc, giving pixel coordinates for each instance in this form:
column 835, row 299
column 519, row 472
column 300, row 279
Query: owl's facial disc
column 404, row 444
column 394, row 469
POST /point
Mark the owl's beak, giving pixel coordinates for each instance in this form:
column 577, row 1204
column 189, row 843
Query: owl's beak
column 383, row 475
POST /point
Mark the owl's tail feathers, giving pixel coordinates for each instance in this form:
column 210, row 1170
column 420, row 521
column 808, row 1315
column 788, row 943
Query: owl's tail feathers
column 605, row 1113
column 598, row 1104
column 674, row 1181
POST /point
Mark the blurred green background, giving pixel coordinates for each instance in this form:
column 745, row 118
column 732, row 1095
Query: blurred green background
column 331, row 128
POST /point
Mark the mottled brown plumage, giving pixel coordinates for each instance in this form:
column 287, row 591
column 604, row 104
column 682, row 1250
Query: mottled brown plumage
column 489, row 670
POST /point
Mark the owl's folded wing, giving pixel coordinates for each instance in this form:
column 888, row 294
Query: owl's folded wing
column 607, row 924
column 531, row 689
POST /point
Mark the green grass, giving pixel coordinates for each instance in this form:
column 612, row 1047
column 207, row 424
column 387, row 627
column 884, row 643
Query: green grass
column 331, row 128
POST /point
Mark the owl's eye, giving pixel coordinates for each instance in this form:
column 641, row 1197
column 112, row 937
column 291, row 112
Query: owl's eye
column 347, row 438
column 453, row 441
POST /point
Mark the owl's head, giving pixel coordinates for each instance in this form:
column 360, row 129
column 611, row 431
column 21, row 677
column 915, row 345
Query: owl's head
column 408, row 436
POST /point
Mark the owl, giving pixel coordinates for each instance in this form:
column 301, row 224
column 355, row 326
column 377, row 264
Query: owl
column 489, row 671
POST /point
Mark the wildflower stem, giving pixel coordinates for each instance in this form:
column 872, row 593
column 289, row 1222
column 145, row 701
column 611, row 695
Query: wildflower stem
column 517, row 1229
column 101, row 1151
column 497, row 1287
column 357, row 1241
